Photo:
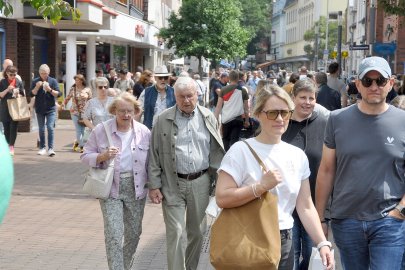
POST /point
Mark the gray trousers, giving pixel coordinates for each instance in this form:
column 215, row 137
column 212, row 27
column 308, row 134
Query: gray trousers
column 187, row 215
column 287, row 251
column 122, row 225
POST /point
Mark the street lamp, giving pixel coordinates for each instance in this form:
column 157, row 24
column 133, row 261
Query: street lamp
column 316, row 47
column 339, row 45
column 326, row 51
column 371, row 38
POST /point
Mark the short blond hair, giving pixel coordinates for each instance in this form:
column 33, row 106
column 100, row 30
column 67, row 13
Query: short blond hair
column 266, row 91
column 127, row 97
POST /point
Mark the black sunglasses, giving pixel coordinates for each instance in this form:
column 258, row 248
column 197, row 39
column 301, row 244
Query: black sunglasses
column 273, row 114
column 104, row 86
column 163, row 78
column 380, row 81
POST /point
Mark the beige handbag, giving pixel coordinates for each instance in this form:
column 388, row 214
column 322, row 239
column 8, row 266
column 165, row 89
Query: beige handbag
column 18, row 108
column 248, row 236
column 98, row 181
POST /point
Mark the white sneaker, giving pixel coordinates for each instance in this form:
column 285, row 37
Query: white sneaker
column 51, row 153
column 42, row 151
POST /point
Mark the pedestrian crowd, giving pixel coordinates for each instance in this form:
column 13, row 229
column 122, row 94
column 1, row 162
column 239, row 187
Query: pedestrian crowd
column 332, row 152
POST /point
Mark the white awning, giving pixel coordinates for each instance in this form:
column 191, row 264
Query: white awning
column 179, row 61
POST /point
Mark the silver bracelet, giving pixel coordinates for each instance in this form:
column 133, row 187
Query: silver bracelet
column 254, row 190
column 324, row 243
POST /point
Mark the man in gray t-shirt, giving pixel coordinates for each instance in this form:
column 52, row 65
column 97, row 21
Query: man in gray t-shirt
column 363, row 163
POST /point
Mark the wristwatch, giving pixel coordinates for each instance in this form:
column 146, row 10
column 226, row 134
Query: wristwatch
column 401, row 209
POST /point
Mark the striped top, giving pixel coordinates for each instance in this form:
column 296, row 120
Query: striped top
column 192, row 143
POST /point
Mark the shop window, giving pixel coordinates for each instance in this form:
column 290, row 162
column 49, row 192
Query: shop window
column 138, row 4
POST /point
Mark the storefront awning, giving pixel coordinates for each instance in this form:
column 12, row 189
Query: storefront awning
column 293, row 59
column 265, row 64
column 179, row 61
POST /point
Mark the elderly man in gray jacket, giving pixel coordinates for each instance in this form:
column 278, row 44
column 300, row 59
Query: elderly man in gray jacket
column 186, row 150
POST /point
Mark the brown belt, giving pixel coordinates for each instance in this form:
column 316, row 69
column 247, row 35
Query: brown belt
column 191, row 176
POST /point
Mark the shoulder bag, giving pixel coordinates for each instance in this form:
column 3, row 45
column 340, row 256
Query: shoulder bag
column 18, row 108
column 248, row 236
column 98, row 182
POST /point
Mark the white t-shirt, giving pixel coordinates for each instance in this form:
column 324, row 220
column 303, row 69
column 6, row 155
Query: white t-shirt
column 126, row 151
column 289, row 160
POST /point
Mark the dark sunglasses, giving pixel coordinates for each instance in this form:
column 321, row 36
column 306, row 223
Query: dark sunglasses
column 273, row 114
column 163, row 78
column 103, row 86
column 380, row 81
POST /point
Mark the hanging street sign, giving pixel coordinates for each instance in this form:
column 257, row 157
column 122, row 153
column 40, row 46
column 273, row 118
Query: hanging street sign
column 362, row 47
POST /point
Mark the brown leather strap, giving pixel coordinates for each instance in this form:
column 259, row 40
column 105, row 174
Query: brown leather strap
column 257, row 157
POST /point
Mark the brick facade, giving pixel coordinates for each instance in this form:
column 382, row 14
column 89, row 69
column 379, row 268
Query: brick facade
column 24, row 50
column 11, row 40
column 400, row 55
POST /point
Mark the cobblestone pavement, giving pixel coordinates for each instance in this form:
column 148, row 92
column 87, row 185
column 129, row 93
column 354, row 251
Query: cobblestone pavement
column 52, row 225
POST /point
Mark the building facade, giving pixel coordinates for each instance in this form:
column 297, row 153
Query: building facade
column 119, row 34
column 293, row 18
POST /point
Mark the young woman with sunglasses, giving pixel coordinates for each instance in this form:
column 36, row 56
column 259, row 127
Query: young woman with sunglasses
column 241, row 180
column 10, row 87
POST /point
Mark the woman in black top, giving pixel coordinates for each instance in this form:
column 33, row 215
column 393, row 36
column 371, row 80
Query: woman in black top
column 10, row 87
column 144, row 81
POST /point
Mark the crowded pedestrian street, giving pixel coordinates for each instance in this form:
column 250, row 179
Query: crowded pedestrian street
column 51, row 224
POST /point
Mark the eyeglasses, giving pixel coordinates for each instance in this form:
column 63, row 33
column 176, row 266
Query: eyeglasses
column 163, row 78
column 273, row 114
column 380, row 81
column 125, row 112
column 102, row 87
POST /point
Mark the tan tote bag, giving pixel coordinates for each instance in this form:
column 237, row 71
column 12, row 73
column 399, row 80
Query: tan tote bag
column 18, row 108
column 248, row 236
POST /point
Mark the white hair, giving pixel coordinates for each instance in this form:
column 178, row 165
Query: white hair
column 183, row 83
column 44, row 68
column 184, row 74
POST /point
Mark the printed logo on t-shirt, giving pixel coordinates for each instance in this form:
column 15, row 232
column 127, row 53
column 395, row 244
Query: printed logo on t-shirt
column 290, row 166
column 390, row 141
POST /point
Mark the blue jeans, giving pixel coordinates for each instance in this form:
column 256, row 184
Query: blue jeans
column 363, row 245
column 50, row 125
column 302, row 244
column 79, row 129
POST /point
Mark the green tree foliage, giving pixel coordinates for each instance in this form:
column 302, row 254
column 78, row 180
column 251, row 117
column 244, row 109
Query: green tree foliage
column 53, row 10
column 256, row 17
column 207, row 28
column 393, row 7
column 309, row 36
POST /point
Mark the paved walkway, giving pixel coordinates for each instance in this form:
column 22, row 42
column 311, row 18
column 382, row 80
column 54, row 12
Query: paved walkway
column 51, row 224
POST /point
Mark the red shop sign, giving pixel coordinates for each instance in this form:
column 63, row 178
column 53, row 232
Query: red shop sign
column 140, row 30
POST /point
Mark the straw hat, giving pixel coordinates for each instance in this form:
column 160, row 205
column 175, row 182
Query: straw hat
column 161, row 71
